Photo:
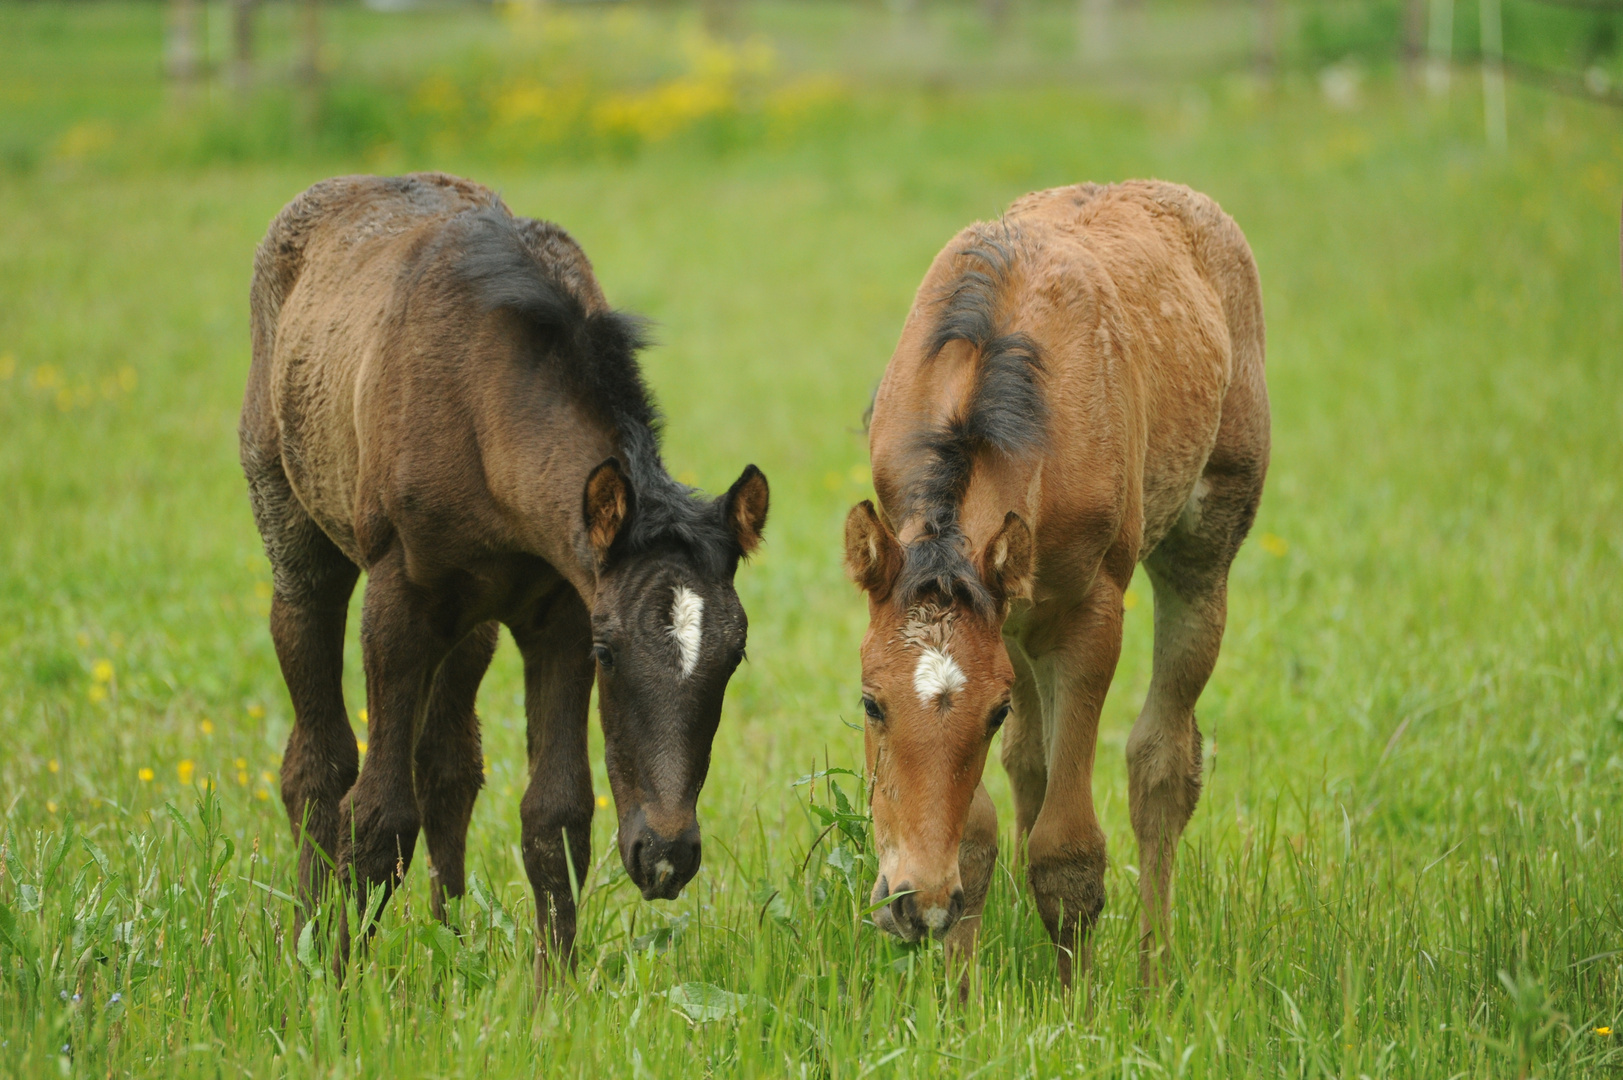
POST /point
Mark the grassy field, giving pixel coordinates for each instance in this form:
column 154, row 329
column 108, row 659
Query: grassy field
column 1408, row 860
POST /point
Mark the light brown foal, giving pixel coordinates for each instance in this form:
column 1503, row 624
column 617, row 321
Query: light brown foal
column 1078, row 389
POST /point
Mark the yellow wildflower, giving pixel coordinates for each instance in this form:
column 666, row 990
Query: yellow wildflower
column 602, row 802
column 53, row 766
column 102, row 670
column 361, row 715
column 1274, row 545
column 1129, row 600
column 145, row 774
column 267, row 777
column 256, row 712
column 241, row 763
column 262, row 795
column 242, row 777
column 360, row 744
column 185, row 769
column 1603, row 1031
column 97, row 693
column 262, row 590
column 207, row 727
column 50, row 806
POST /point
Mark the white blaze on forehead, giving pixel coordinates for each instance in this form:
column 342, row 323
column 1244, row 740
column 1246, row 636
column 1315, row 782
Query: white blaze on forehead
column 687, row 626
column 937, row 674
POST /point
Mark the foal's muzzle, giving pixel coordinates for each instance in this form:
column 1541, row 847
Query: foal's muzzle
column 915, row 914
column 661, row 865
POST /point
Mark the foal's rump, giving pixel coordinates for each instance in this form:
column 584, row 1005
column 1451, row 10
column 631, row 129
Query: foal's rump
column 1172, row 298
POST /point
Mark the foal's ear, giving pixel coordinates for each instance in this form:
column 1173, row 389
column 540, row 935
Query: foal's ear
column 606, row 506
column 744, row 507
column 1006, row 561
column 873, row 558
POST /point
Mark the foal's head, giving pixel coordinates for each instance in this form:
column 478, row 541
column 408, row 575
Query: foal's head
column 936, row 680
column 667, row 633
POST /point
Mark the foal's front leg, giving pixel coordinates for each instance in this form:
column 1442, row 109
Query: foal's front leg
column 379, row 820
column 1066, row 849
column 557, row 807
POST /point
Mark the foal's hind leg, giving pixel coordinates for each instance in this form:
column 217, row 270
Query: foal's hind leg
column 1189, row 571
column 404, row 640
column 450, row 763
column 309, row 605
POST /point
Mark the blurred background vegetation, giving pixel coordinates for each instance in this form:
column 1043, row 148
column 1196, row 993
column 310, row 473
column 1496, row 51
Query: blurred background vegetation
column 518, row 81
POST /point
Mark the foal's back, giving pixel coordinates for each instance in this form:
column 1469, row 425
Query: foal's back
column 369, row 356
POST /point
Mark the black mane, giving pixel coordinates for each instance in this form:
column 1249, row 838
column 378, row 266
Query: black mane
column 594, row 355
column 1004, row 413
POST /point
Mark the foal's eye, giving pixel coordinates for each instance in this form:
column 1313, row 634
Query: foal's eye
column 995, row 721
column 871, row 707
column 603, row 654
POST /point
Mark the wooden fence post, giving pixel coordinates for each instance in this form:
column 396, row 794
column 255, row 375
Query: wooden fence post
column 1493, row 74
column 181, row 48
column 242, row 43
column 1093, row 24
column 1440, row 46
column 1267, row 47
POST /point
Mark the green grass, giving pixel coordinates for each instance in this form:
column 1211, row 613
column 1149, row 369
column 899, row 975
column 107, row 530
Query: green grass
column 1408, row 860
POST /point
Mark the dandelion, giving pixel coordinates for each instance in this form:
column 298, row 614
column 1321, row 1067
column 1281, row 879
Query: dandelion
column 256, row 712
column 242, row 777
column 207, row 727
column 602, row 802
column 262, row 795
column 360, row 744
column 266, row 777
column 1274, row 545
column 361, row 715
column 145, row 774
column 241, row 763
column 185, row 769
column 1129, row 600
column 53, row 766
column 50, row 806
column 1603, row 1032
column 97, row 693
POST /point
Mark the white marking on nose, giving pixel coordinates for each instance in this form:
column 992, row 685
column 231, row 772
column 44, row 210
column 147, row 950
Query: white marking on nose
column 935, row 918
column 937, row 674
column 687, row 626
column 663, row 870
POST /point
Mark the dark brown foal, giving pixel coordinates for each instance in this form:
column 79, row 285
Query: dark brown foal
column 441, row 396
